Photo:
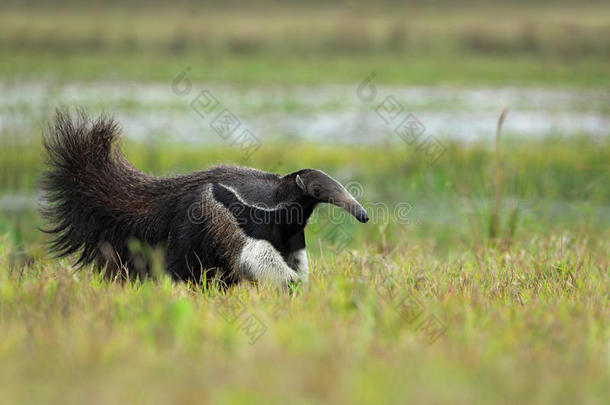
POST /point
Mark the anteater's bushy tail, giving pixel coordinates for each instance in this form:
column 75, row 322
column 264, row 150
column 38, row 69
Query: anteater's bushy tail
column 94, row 199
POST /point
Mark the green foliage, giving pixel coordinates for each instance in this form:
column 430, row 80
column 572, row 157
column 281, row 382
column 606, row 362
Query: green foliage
column 421, row 307
column 311, row 44
column 525, row 320
column 554, row 184
column 530, row 323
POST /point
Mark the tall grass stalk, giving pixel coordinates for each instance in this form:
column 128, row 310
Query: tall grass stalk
column 494, row 219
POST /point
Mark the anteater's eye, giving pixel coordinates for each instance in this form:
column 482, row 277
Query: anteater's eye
column 316, row 192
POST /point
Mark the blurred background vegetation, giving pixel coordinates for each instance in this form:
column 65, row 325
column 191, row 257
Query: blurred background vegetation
column 555, row 177
column 321, row 41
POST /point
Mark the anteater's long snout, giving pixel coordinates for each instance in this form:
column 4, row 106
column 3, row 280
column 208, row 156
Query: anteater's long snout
column 360, row 214
column 346, row 201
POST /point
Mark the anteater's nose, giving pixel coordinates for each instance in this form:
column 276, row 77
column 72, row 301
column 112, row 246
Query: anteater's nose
column 363, row 216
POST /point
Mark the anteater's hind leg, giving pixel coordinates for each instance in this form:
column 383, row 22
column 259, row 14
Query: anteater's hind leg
column 121, row 263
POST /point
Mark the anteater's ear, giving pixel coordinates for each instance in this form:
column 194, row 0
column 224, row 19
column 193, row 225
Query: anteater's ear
column 300, row 183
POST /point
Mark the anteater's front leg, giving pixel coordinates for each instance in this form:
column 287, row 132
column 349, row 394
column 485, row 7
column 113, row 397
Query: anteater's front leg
column 297, row 260
column 260, row 261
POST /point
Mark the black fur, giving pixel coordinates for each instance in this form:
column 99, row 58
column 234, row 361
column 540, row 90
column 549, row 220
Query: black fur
column 283, row 227
column 97, row 203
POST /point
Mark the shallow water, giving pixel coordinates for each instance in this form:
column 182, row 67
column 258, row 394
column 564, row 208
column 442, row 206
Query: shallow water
column 328, row 113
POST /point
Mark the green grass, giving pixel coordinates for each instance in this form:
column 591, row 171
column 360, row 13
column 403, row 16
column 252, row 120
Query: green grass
column 524, row 317
column 270, row 68
column 521, row 317
column 559, row 183
column 529, row 324
column 531, row 44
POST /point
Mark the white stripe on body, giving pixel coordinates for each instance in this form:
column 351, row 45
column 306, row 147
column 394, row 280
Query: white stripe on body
column 259, row 260
column 251, row 204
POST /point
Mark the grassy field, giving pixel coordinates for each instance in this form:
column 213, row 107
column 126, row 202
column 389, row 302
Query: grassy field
column 482, row 277
column 526, row 324
column 470, row 43
column 432, row 309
